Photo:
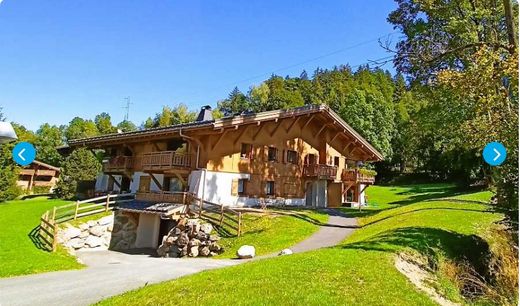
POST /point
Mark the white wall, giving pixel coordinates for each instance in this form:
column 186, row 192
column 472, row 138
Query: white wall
column 102, row 182
column 147, row 231
column 217, row 188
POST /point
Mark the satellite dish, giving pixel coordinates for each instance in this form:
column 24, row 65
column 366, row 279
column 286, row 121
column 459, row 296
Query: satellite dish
column 7, row 133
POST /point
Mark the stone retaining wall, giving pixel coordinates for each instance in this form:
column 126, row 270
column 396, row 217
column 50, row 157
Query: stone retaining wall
column 116, row 231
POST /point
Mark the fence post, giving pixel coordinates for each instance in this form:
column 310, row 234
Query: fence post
column 221, row 214
column 107, row 202
column 54, row 214
column 54, row 236
column 76, row 210
column 239, row 223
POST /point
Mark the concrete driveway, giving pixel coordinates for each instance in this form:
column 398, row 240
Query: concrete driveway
column 108, row 273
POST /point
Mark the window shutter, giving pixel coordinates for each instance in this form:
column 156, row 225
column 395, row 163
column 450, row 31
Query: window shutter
column 284, row 156
column 251, row 153
column 234, row 187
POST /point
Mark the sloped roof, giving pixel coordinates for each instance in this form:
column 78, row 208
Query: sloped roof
column 236, row 120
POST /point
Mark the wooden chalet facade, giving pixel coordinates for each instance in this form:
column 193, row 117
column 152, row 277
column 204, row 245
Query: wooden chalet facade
column 303, row 156
column 40, row 175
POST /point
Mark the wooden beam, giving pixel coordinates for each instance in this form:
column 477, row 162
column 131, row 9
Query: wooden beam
column 219, row 139
column 155, row 180
column 293, row 124
column 276, row 128
column 334, row 138
column 241, row 134
column 348, row 187
column 322, row 128
column 115, row 181
column 307, row 123
column 183, row 181
column 258, row 131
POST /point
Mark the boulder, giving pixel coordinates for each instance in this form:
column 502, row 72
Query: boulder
column 83, row 226
column 71, row 232
column 194, row 242
column 171, row 240
column 84, row 234
column 285, row 252
column 76, row 243
column 110, row 227
column 91, row 223
column 213, row 247
column 246, row 251
column 204, row 251
column 93, row 241
column 106, row 220
column 194, row 251
column 206, row 228
column 97, row 230
column 183, row 240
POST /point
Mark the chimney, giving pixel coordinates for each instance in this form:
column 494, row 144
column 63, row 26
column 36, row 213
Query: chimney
column 205, row 114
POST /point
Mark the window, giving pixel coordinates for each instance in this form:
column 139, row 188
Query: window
column 246, row 151
column 241, row 186
column 144, row 184
column 238, row 187
column 272, row 154
column 292, row 157
column 336, row 161
column 310, row 159
column 269, row 188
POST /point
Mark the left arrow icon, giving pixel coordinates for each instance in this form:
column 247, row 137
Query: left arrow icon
column 20, row 154
column 24, row 153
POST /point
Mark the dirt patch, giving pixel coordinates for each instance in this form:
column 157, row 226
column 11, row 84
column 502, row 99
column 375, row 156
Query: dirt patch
column 413, row 267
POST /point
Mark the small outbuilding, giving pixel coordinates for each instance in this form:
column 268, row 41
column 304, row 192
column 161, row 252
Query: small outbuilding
column 38, row 177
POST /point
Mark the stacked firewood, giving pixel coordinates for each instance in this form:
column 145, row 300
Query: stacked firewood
column 190, row 237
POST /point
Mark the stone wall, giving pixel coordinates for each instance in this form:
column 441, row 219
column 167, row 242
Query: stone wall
column 116, row 231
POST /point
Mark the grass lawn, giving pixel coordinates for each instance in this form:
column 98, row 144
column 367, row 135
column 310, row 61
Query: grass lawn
column 18, row 254
column 359, row 271
column 271, row 233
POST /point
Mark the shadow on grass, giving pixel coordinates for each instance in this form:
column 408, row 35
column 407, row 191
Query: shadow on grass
column 429, row 241
column 37, row 240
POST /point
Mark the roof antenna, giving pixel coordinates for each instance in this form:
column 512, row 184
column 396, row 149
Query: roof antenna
column 127, row 107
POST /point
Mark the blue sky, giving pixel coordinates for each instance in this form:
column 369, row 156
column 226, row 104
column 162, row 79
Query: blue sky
column 61, row 59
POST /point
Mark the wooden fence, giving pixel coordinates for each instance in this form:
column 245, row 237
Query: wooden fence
column 226, row 216
column 50, row 219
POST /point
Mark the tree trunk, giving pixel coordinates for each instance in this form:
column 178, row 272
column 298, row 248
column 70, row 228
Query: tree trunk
column 513, row 43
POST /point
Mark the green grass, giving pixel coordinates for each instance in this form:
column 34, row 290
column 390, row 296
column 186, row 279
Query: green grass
column 271, row 233
column 19, row 255
column 359, row 271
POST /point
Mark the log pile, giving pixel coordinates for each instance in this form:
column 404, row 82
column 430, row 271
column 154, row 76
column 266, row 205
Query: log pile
column 190, row 237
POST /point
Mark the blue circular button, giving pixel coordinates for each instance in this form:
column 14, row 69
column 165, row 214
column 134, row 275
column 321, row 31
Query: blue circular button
column 494, row 153
column 24, row 153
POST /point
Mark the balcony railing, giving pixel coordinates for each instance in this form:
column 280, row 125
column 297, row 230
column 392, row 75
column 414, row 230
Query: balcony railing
column 354, row 175
column 163, row 197
column 320, row 171
column 118, row 163
column 164, row 160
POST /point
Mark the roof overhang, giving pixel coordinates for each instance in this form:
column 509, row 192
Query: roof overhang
column 233, row 122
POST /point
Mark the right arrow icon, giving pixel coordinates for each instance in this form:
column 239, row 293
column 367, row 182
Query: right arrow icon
column 494, row 153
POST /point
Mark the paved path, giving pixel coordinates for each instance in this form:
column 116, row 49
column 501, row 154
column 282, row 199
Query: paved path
column 338, row 227
column 110, row 273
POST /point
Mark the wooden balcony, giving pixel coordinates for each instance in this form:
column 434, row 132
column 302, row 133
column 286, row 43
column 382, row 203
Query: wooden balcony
column 118, row 164
column 355, row 176
column 164, row 160
column 320, row 171
column 163, row 197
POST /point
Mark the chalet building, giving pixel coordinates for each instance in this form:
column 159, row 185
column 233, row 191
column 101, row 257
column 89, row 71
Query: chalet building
column 304, row 156
column 40, row 175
